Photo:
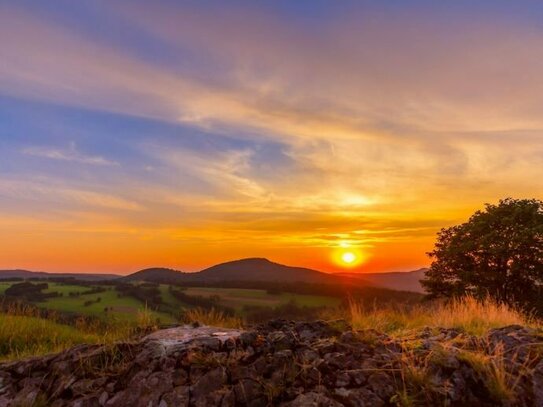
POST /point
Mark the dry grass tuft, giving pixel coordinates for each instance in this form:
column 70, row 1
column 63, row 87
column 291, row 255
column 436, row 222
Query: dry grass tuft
column 145, row 319
column 212, row 317
column 468, row 314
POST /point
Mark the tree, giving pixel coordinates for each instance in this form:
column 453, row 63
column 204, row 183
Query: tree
column 498, row 252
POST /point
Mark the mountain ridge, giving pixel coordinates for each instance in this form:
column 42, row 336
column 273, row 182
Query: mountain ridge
column 395, row 280
column 247, row 269
column 255, row 269
column 263, row 270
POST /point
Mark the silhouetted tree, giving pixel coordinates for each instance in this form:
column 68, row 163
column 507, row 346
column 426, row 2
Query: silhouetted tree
column 498, row 252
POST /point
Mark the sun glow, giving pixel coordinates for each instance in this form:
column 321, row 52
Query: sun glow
column 348, row 257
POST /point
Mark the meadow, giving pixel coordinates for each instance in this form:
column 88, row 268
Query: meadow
column 110, row 315
column 111, row 306
column 238, row 298
column 23, row 332
column 123, row 308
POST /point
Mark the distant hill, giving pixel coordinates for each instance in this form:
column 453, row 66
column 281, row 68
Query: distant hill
column 7, row 274
column 157, row 275
column 403, row 281
column 250, row 269
column 260, row 269
column 264, row 270
column 247, row 270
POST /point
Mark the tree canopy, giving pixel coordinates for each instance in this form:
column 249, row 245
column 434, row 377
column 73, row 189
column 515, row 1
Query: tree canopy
column 498, row 252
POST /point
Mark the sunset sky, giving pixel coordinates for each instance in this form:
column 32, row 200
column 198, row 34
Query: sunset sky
column 186, row 133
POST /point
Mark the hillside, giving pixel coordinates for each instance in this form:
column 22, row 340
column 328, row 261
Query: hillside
column 260, row 269
column 157, row 275
column 250, row 269
column 245, row 270
column 402, row 281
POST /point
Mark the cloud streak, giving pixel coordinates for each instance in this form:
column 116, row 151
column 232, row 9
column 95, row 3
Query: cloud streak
column 70, row 154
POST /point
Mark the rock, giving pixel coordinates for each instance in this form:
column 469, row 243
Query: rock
column 208, row 383
column 537, row 384
column 249, row 392
column 280, row 363
column 381, row 385
column 312, row 400
column 343, row 379
column 178, row 397
column 103, row 398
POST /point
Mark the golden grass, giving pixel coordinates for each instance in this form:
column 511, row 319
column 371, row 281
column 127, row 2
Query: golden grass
column 23, row 332
column 22, row 336
column 500, row 374
column 467, row 314
column 212, row 317
column 416, row 385
column 491, row 368
column 146, row 320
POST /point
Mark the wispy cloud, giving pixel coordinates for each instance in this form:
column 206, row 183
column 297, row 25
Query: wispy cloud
column 43, row 191
column 70, row 154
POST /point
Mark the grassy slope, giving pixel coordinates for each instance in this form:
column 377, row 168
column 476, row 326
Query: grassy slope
column 125, row 308
column 4, row 285
column 22, row 336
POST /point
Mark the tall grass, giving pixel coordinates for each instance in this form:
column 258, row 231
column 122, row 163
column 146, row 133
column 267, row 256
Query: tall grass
column 501, row 379
column 145, row 319
column 212, row 317
column 22, row 336
column 24, row 332
column 468, row 314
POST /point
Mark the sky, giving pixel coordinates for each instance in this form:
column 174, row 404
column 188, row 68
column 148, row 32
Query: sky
column 185, row 133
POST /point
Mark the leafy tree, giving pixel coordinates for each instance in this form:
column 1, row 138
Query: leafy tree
column 498, row 252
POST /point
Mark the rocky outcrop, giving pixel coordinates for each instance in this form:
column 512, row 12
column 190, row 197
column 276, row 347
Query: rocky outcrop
column 287, row 364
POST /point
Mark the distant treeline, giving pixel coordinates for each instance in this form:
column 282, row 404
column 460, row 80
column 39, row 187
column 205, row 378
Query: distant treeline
column 199, row 301
column 370, row 294
column 30, row 292
column 148, row 293
column 93, row 290
column 255, row 314
column 19, row 306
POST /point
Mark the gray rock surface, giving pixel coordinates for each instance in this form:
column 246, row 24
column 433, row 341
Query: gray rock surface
column 288, row 364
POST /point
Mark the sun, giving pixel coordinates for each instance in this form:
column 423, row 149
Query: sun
column 348, row 257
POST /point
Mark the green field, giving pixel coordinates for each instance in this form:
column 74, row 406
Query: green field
column 4, row 285
column 125, row 308
column 237, row 298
